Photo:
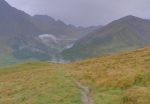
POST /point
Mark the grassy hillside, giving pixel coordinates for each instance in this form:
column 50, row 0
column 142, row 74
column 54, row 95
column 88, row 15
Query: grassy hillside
column 125, row 34
column 117, row 79
column 37, row 83
column 6, row 56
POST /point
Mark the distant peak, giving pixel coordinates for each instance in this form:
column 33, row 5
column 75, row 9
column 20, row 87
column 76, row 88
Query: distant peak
column 44, row 17
column 3, row 3
column 38, row 15
column 61, row 22
column 129, row 17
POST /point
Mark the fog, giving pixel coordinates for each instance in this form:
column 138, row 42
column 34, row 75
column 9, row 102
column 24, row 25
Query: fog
column 85, row 12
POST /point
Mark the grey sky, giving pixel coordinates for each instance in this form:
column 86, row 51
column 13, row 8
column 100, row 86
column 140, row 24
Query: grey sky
column 85, row 12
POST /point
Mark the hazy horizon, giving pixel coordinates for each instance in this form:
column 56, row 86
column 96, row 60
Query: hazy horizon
column 83, row 12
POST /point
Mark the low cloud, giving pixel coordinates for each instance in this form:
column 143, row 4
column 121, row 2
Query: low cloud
column 85, row 12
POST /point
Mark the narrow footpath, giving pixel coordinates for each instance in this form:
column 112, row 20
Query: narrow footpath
column 87, row 97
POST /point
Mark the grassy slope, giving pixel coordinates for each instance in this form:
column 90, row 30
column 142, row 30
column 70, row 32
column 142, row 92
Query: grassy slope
column 120, row 35
column 6, row 56
column 37, row 83
column 126, row 40
column 117, row 79
column 7, row 59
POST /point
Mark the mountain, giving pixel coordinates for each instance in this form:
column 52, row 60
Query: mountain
column 14, row 22
column 127, row 33
column 58, row 28
column 24, row 37
column 64, row 36
column 16, row 30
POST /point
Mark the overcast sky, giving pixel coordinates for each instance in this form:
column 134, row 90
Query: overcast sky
column 85, row 12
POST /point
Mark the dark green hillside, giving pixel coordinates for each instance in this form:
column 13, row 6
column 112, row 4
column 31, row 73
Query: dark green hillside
column 121, row 35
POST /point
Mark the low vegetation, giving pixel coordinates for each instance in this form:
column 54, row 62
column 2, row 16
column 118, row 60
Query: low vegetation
column 116, row 79
column 37, row 83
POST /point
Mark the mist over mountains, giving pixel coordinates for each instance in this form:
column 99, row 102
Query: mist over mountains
column 59, row 63
column 125, row 34
column 20, row 32
column 40, row 37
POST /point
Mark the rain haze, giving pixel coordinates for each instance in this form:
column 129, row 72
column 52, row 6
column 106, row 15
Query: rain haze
column 85, row 12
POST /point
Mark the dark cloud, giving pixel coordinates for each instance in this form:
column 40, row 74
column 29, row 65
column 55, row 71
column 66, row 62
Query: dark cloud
column 85, row 12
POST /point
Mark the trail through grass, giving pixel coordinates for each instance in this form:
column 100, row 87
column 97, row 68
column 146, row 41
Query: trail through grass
column 37, row 83
column 87, row 97
column 116, row 79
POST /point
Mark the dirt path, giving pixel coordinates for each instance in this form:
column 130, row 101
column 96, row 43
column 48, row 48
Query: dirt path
column 87, row 97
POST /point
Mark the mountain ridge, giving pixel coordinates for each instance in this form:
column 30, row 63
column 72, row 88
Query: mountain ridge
column 20, row 33
column 124, row 34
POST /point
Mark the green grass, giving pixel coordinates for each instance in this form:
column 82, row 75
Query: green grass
column 110, row 96
column 116, row 79
column 37, row 83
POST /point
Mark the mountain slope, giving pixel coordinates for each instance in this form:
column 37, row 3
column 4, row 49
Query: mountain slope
column 58, row 28
column 37, row 83
column 16, row 30
column 118, row 79
column 124, row 34
column 60, row 36
column 39, row 37
column 16, row 21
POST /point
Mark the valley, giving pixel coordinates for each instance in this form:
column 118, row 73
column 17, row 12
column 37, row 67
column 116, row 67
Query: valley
column 38, row 37
column 44, row 60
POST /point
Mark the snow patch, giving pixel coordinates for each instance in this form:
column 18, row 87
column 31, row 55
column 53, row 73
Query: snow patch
column 56, row 42
column 47, row 37
column 69, row 46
